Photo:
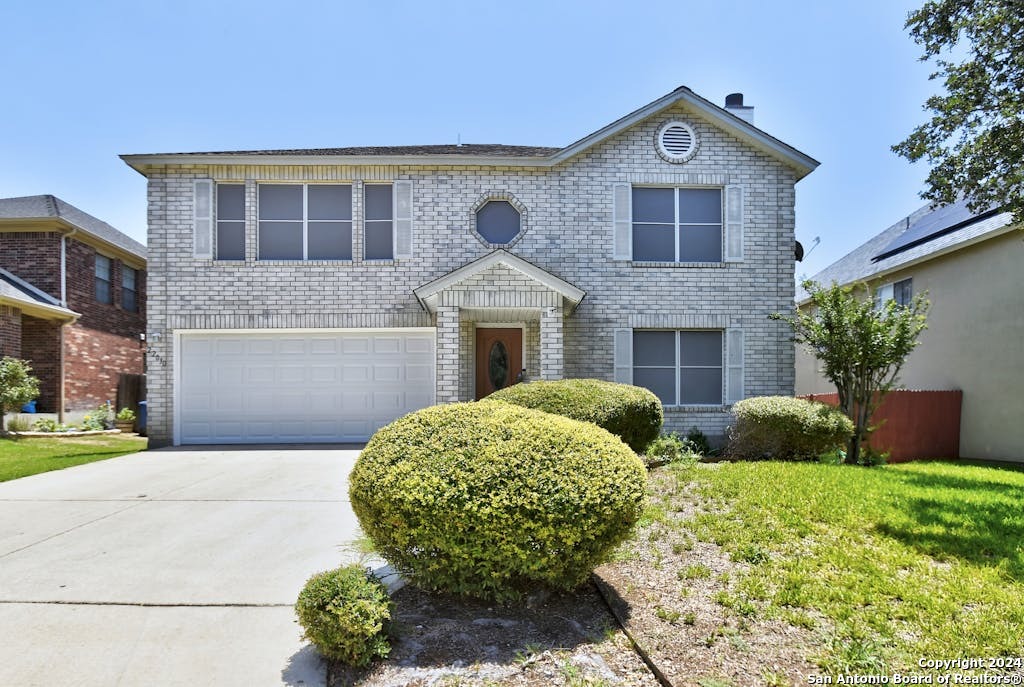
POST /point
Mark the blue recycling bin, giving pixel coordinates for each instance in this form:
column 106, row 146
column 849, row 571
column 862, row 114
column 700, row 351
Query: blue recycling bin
column 142, row 418
column 29, row 407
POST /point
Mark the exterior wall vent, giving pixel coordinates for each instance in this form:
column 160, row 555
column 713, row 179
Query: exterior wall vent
column 676, row 142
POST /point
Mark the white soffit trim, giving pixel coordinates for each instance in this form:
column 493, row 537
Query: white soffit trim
column 426, row 293
column 40, row 310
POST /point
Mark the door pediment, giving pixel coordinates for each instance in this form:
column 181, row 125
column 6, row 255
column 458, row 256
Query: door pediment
column 499, row 280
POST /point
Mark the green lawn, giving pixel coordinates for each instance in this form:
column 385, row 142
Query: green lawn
column 19, row 458
column 888, row 565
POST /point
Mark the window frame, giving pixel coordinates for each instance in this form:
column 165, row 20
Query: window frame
column 391, row 221
column 676, row 224
column 109, row 281
column 896, row 291
column 217, row 221
column 679, row 367
column 519, row 222
column 134, row 291
column 305, row 221
column 887, row 292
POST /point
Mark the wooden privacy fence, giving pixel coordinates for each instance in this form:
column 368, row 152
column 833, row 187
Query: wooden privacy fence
column 130, row 390
column 913, row 424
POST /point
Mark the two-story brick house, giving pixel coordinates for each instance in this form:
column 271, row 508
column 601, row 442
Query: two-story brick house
column 315, row 295
column 72, row 300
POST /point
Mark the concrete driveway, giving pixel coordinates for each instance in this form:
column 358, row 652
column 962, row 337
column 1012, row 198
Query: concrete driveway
column 170, row 567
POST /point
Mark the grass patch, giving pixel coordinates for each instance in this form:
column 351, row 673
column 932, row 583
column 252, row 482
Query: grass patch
column 903, row 561
column 23, row 457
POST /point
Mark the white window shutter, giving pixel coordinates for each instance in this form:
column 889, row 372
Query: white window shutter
column 202, row 218
column 403, row 219
column 622, row 222
column 733, row 223
column 734, row 365
column 624, row 356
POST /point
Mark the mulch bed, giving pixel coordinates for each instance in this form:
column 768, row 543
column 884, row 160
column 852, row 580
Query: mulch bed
column 557, row 639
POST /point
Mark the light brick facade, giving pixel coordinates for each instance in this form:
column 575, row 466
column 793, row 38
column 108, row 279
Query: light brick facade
column 569, row 235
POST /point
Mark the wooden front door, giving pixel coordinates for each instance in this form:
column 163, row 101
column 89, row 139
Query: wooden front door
column 499, row 359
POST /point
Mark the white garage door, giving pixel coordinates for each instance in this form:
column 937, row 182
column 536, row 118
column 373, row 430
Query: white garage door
column 300, row 387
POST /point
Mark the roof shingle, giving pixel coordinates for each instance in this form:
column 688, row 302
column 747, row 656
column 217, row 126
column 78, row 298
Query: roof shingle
column 43, row 206
column 876, row 256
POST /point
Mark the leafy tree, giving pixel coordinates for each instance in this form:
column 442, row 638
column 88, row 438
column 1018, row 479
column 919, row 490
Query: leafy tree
column 860, row 345
column 17, row 387
column 975, row 138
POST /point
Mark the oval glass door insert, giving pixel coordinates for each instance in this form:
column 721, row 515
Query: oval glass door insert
column 497, row 365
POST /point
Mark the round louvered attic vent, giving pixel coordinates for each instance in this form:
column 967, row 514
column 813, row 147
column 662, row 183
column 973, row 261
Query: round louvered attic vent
column 676, row 142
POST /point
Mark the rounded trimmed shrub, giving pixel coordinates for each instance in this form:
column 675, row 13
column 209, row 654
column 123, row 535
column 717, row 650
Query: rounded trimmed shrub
column 346, row 613
column 632, row 413
column 786, row 428
column 491, row 499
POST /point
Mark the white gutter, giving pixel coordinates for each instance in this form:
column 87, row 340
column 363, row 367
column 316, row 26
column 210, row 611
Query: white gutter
column 40, row 310
column 140, row 162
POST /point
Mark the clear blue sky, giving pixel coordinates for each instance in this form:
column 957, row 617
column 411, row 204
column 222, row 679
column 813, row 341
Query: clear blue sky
column 84, row 82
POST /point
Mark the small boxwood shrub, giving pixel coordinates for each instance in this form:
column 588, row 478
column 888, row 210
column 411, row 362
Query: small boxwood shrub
column 669, row 448
column 632, row 413
column 346, row 613
column 491, row 499
column 785, row 428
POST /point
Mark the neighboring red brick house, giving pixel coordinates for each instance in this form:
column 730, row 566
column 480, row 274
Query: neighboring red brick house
column 72, row 300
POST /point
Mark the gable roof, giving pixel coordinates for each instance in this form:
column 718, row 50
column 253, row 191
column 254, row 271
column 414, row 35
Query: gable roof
column 491, row 154
column 18, row 293
column 427, row 293
column 52, row 207
column 923, row 235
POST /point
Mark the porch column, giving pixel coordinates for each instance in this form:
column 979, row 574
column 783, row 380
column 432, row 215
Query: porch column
column 551, row 349
column 447, row 354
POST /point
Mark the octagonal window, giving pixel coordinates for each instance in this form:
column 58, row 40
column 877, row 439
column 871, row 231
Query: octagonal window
column 498, row 222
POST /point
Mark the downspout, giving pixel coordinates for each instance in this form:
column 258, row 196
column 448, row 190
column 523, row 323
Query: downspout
column 63, row 271
column 60, row 395
column 64, row 303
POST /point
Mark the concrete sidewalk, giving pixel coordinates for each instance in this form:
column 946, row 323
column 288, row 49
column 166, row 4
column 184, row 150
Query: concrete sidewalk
column 171, row 567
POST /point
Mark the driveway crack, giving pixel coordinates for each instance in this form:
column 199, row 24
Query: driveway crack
column 71, row 529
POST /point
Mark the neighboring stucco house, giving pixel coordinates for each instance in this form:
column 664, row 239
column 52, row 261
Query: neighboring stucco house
column 72, row 301
column 969, row 265
column 315, row 295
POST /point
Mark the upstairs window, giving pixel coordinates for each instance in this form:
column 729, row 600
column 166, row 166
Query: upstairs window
column 901, row 291
column 498, row 222
column 305, row 222
column 103, row 290
column 129, row 292
column 230, row 222
column 378, row 222
column 677, row 224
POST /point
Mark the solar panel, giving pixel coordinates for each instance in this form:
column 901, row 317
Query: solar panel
column 936, row 223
